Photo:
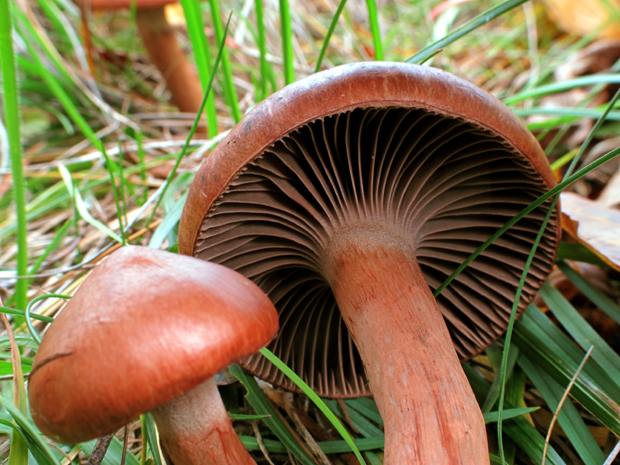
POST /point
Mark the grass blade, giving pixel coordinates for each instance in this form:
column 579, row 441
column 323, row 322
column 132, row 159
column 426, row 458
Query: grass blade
column 367, row 407
column 14, row 311
column 548, row 347
column 613, row 455
column 12, row 120
column 569, row 418
column 168, row 224
column 18, row 454
column 56, row 88
column 563, row 86
column 262, row 47
column 515, row 396
column 27, row 313
column 330, row 31
column 543, row 198
column 202, row 55
column 82, row 208
column 373, row 19
column 287, row 42
column 31, row 434
column 579, row 253
column 576, row 113
column 518, row 428
column 491, row 417
column 599, row 299
column 195, row 125
column 261, row 405
column 340, row 447
column 513, row 315
column 329, row 447
column 151, row 433
column 494, row 391
column 364, row 426
column 581, row 331
column 465, row 29
column 373, row 459
column 73, row 112
column 562, row 402
column 530, row 440
column 229, row 86
column 314, row 398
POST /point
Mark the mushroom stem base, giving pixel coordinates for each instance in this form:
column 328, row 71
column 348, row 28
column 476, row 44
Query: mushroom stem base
column 194, row 429
column 429, row 410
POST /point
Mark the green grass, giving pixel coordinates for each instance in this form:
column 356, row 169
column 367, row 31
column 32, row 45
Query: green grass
column 88, row 146
column 373, row 19
column 12, row 120
column 202, row 54
column 288, row 59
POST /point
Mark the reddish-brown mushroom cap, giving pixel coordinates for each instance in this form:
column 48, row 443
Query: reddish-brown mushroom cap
column 145, row 327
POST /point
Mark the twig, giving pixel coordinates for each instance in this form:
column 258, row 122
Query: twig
column 316, row 449
column 101, row 447
column 125, row 443
column 9, row 377
column 259, row 440
column 562, row 400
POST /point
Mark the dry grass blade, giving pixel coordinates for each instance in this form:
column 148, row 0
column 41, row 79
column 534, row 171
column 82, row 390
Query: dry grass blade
column 612, row 456
column 259, row 439
column 19, row 391
column 562, row 400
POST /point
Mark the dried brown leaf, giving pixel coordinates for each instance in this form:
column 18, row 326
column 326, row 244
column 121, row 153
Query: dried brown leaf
column 594, row 225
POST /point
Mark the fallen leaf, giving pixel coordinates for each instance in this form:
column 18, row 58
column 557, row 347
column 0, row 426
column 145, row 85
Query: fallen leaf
column 582, row 17
column 594, row 225
column 597, row 57
column 610, row 196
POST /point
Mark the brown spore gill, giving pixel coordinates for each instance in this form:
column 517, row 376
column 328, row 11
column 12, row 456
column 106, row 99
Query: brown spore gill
column 445, row 182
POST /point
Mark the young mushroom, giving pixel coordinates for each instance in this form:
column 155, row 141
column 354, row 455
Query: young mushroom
column 163, row 48
column 146, row 332
column 348, row 197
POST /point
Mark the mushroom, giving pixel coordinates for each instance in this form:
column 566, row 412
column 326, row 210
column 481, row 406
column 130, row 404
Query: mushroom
column 350, row 196
column 146, row 332
column 163, row 49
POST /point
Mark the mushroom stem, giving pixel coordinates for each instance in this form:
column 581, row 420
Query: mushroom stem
column 430, row 412
column 194, row 429
column 168, row 57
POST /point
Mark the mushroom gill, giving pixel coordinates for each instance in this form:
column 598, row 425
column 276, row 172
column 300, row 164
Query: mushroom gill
column 441, row 182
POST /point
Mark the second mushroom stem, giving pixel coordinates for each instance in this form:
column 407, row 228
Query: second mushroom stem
column 430, row 412
column 168, row 57
column 195, row 429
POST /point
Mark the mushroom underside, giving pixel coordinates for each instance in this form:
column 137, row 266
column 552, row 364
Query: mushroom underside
column 445, row 183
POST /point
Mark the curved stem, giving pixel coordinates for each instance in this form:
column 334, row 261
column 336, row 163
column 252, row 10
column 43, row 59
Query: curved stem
column 168, row 57
column 194, row 429
column 430, row 412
